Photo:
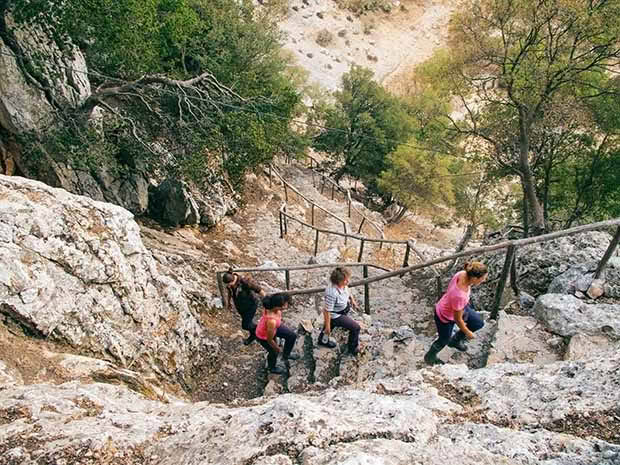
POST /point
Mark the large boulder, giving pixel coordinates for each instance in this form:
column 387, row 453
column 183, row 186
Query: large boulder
column 539, row 264
column 567, row 315
column 559, row 414
column 176, row 202
column 58, row 72
column 76, row 271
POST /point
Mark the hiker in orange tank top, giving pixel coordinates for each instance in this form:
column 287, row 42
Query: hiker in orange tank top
column 270, row 326
column 454, row 308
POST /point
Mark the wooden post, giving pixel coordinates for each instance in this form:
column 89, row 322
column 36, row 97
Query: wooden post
column 285, row 223
column 359, row 257
column 220, row 286
column 316, row 242
column 281, row 227
column 269, row 176
column 322, row 185
column 285, row 192
column 332, row 192
column 514, row 278
column 361, row 224
column 608, row 253
column 406, row 260
column 349, row 207
column 510, row 253
column 312, row 222
column 344, row 226
column 366, row 292
column 287, row 279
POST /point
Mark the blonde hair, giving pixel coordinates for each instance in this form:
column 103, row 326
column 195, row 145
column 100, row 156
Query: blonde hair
column 339, row 274
column 475, row 269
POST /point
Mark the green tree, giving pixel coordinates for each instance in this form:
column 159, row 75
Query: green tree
column 512, row 58
column 363, row 125
column 417, row 178
column 193, row 77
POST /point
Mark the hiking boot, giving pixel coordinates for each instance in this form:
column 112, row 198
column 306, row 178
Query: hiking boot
column 354, row 352
column 277, row 370
column 292, row 356
column 325, row 341
column 431, row 356
column 249, row 340
column 458, row 342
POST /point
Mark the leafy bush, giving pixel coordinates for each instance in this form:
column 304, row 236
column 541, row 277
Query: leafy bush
column 324, row 38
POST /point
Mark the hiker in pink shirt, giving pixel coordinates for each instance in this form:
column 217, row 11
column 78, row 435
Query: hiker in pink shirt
column 454, row 308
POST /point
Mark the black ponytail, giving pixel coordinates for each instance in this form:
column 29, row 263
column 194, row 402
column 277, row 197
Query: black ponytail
column 276, row 301
column 229, row 276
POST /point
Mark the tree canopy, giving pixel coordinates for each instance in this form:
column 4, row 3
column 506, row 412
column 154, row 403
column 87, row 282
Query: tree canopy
column 512, row 62
column 197, row 76
column 363, row 125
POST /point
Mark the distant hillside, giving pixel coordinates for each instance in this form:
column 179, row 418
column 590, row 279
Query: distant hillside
column 327, row 39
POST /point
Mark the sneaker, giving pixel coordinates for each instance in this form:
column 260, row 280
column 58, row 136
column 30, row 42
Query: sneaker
column 249, row 340
column 292, row 356
column 433, row 360
column 329, row 344
column 458, row 345
column 458, row 342
column 277, row 370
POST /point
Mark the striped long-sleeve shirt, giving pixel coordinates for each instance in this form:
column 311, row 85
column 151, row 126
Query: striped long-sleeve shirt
column 336, row 300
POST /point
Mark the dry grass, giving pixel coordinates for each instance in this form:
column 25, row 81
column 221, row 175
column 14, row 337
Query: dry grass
column 390, row 256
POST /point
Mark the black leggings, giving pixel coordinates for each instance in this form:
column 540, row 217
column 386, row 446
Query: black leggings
column 289, row 341
column 247, row 313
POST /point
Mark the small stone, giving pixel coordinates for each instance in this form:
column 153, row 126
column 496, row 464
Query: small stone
column 596, row 289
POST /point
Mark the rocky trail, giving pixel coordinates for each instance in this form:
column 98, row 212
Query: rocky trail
column 539, row 385
column 395, row 335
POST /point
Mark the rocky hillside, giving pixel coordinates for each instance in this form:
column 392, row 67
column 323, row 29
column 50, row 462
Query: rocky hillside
column 327, row 39
column 93, row 381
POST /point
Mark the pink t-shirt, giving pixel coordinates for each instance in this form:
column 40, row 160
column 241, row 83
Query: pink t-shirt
column 261, row 328
column 453, row 300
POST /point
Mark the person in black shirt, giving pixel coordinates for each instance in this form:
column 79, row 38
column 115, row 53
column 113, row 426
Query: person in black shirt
column 243, row 292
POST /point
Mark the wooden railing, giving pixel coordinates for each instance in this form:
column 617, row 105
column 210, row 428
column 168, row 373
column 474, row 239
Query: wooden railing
column 287, row 186
column 346, row 192
column 284, row 217
column 287, row 276
column 510, row 246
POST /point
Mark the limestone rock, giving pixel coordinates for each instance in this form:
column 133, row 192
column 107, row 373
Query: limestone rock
column 520, row 339
column 176, row 202
column 76, row 271
column 582, row 347
column 566, row 315
column 24, row 106
column 596, row 289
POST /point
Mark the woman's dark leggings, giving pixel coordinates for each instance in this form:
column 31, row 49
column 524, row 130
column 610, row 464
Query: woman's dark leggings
column 473, row 321
column 247, row 316
column 289, row 337
column 353, row 326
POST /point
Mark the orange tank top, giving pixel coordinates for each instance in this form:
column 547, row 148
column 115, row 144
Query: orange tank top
column 261, row 329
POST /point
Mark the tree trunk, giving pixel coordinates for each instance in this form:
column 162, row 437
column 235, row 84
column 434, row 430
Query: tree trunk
column 527, row 180
column 469, row 232
column 399, row 216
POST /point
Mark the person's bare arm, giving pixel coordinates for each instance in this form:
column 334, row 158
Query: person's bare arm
column 458, row 318
column 327, row 321
column 353, row 302
column 271, row 335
